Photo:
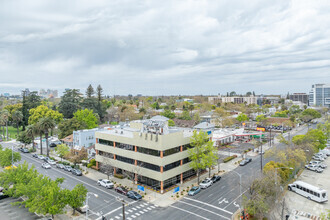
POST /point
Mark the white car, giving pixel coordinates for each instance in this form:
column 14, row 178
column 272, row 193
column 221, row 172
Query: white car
column 46, row 166
column 206, row 183
column 51, row 162
column 40, row 157
column 105, row 183
column 318, row 158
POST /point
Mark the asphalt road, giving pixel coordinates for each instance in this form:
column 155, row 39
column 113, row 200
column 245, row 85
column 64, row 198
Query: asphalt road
column 219, row 201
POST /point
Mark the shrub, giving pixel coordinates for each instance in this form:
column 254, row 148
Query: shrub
column 31, row 150
column 227, row 159
column 119, row 176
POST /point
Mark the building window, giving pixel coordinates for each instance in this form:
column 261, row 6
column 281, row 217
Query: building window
column 186, row 160
column 106, row 142
column 125, row 146
column 186, row 146
column 125, row 159
column 148, row 151
column 172, row 165
column 105, row 154
column 148, row 166
column 171, row 151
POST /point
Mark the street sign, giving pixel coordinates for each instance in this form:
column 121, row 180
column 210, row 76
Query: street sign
column 141, row 188
column 177, row 189
column 261, row 129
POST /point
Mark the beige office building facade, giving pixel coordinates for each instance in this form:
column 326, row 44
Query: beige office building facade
column 149, row 151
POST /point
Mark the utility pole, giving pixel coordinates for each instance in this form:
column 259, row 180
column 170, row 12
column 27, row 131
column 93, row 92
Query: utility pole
column 260, row 152
column 123, row 202
column 283, row 205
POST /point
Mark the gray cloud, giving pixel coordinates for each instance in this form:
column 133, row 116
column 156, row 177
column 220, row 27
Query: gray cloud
column 165, row 47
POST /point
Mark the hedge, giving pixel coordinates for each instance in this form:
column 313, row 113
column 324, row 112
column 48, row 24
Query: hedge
column 119, row 176
column 227, row 159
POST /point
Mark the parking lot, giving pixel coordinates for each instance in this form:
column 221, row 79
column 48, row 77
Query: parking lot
column 302, row 205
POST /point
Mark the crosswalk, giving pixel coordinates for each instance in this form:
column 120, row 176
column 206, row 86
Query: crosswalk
column 134, row 211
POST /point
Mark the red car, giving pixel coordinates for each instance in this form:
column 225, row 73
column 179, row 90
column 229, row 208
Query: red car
column 121, row 190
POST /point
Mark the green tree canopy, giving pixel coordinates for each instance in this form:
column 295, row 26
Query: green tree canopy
column 62, row 150
column 70, row 102
column 88, row 117
column 76, row 197
column 185, row 115
column 168, row 114
column 7, row 156
column 242, row 117
column 42, row 112
column 171, row 123
column 67, row 127
column 312, row 113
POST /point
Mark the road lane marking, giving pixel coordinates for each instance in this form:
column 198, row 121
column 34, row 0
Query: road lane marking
column 204, row 203
column 235, row 198
column 189, row 212
column 204, row 209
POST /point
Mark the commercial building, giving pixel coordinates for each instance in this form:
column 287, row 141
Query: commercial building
column 302, row 97
column 149, row 151
column 233, row 99
column 320, row 95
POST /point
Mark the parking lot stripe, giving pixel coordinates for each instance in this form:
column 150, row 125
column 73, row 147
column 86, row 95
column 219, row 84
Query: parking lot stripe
column 141, row 212
column 133, row 216
column 117, row 217
column 134, row 209
column 138, row 214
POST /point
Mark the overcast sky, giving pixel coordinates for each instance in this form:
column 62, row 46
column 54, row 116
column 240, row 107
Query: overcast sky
column 165, row 47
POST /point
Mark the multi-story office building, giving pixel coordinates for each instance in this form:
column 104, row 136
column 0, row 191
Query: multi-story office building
column 148, row 151
column 302, row 97
column 320, row 95
column 233, row 99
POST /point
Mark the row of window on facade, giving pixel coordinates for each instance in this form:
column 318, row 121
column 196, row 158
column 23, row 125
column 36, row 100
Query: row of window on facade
column 145, row 150
column 145, row 164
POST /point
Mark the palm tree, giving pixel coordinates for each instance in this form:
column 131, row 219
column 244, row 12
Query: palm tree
column 31, row 131
column 39, row 130
column 47, row 124
column 5, row 118
column 17, row 117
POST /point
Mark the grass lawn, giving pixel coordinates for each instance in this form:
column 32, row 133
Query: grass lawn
column 12, row 132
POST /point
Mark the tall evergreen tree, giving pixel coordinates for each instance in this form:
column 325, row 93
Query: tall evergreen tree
column 90, row 91
column 99, row 93
column 70, row 102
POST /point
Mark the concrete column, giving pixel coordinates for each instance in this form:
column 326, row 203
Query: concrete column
column 97, row 140
column 135, row 148
column 161, row 154
column 161, row 169
column 181, row 181
column 135, row 178
column 97, row 165
column 161, row 187
column 114, row 170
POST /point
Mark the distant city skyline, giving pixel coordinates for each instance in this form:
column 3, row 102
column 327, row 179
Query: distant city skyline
column 165, row 47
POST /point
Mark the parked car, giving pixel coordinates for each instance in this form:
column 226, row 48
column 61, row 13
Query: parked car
column 59, row 165
column 35, row 155
column 46, row 159
column 121, row 190
column 2, row 194
column 52, row 145
column 51, row 162
column 40, row 157
column 68, row 168
column 311, row 167
column 245, row 161
column 318, row 158
column 319, row 170
column 46, row 166
column 76, row 172
column 134, row 195
column 194, row 190
column 215, row 178
column 24, row 150
column 206, row 183
column 105, row 183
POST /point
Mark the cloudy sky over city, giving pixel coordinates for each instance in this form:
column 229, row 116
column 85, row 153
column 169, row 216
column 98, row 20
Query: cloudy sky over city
column 165, row 47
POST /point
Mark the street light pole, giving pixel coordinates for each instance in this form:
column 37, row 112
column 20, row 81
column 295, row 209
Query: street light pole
column 87, row 197
column 240, row 188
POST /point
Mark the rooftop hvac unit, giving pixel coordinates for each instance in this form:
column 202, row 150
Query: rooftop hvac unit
column 146, row 136
column 151, row 137
column 156, row 137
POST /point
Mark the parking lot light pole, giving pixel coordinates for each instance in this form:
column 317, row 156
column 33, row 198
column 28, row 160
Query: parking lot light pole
column 276, row 176
column 87, row 197
column 240, row 187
